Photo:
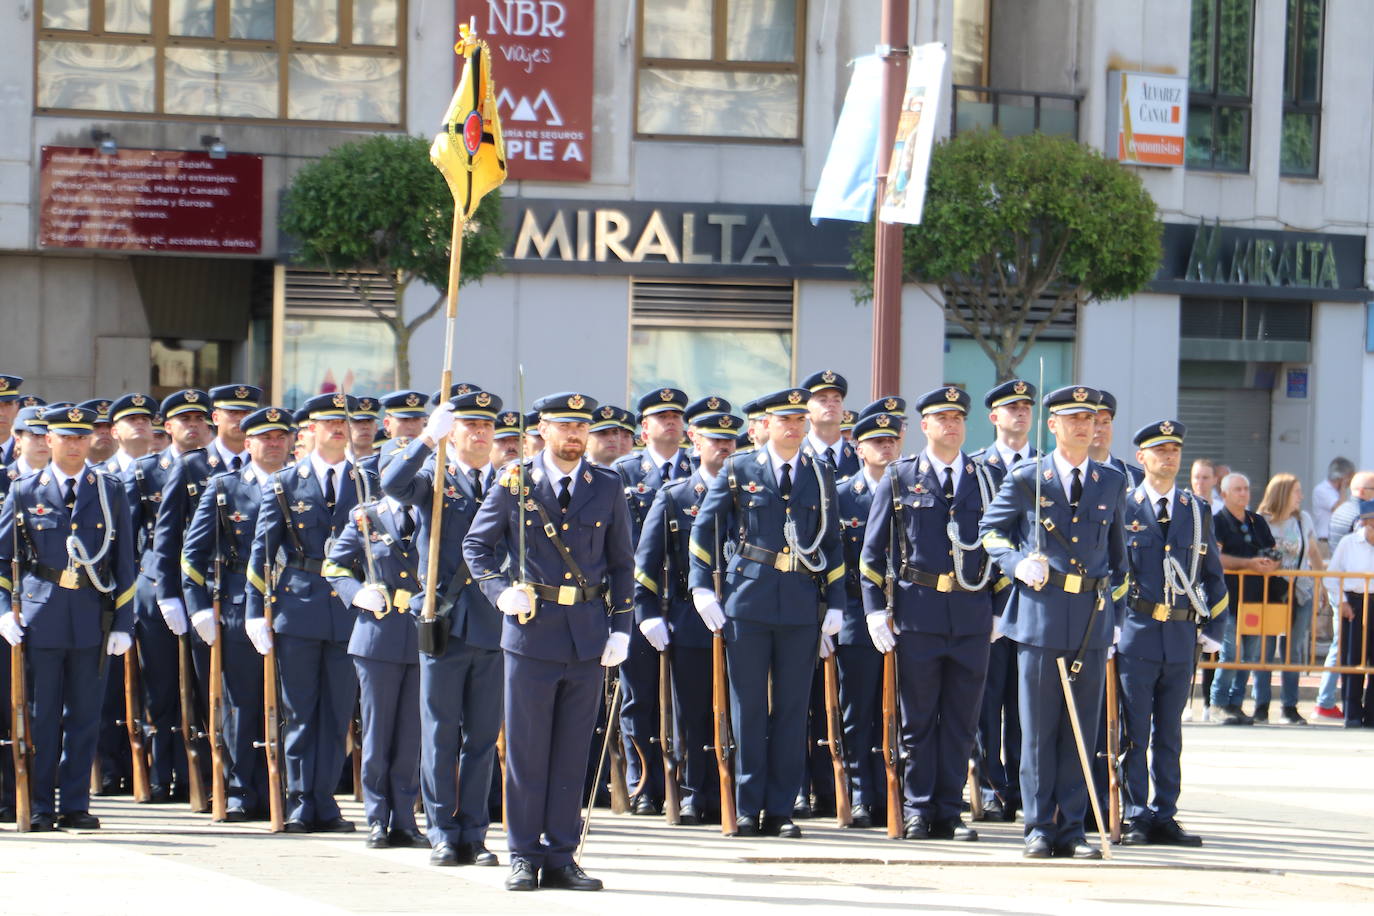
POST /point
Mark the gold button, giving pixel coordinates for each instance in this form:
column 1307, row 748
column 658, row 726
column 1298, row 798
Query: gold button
column 784, row 550
column 333, row 594
column 467, row 581
column 99, row 525
column 403, row 574
column 1074, row 539
column 598, row 524
column 567, row 575
column 528, row 522
column 1168, row 547
column 565, row 526
column 1075, row 520
column 300, row 524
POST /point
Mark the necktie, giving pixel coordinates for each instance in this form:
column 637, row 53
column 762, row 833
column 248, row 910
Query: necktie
column 407, row 524
column 785, row 485
column 330, row 497
column 667, row 471
column 564, row 494
column 1076, row 490
column 477, row 484
column 70, row 496
column 830, row 458
column 1163, row 515
column 1016, row 458
column 236, row 465
column 949, row 484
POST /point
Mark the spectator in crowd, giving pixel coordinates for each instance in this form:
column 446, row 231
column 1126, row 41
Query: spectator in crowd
column 1219, row 472
column 1356, row 554
column 1295, row 538
column 1343, row 520
column 1329, row 494
column 1241, row 536
column 1203, row 480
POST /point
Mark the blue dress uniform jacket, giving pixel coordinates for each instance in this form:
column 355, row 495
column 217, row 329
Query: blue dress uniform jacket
column 63, row 627
column 642, row 478
column 181, row 491
column 848, row 464
column 460, row 691
column 860, row 664
column 222, row 527
column 391, row 637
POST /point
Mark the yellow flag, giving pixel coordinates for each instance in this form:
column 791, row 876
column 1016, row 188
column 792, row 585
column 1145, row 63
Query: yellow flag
column 469, row 149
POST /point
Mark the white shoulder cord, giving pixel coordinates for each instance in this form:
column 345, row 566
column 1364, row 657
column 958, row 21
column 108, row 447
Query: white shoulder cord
column 789, row 527
column 952, row 529
column 1175, row 582
column 76, row 551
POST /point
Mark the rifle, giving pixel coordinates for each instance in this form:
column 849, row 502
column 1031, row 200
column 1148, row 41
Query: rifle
column 219, row 803
column 134, row 723
column 892, row 722
column 355, row 751
column 1072, row 706
column 1113, row 753
column 834, row 727
column 20, row 725
column 620, row 791
column 672, row 797
column 724, row 743
column 606, row 744
column 191, row 732
column 271, row 733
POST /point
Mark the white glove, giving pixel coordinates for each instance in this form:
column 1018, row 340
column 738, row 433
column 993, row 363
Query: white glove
column 880, row 631
column 118, row 643
column 656, row 632
column 616, row 651
column 174, row 612
column 439, row 423
column 513, row 601
column 1032, row 571
column 708, row 608
column 370, row 598
column 204, row 622
column 11, row 629
column 996, row 630
column 827, row 645
column 1208, row 643
column 1116, row 635
column 259, row 634
column 831, row 624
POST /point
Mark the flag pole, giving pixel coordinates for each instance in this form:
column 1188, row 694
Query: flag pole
column 887, row 244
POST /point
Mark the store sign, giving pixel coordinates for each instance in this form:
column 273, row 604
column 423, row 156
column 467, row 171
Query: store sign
column 673, row 239
column 150, row 200
column 1209, row 258
column 1147, row 118
column 542, row 64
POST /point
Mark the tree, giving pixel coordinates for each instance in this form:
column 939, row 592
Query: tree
column 377, row 214
column 1009, row 223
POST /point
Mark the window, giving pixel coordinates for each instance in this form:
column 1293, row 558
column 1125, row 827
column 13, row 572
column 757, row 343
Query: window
column 731, row 338
column 1302, row 89
column 969, row 59
column 317, row 61
column 1219, row 83
column 720, row 69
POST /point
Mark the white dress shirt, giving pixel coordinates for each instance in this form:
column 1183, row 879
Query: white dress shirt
column 1065, row 472
column 939, row 466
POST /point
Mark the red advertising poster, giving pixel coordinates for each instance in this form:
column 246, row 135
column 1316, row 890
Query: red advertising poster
column 541, row 63
column 150, row 200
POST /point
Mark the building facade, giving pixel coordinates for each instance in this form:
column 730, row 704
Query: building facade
column 664, row 157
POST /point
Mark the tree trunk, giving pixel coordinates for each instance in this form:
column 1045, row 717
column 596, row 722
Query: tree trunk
column 398, row 328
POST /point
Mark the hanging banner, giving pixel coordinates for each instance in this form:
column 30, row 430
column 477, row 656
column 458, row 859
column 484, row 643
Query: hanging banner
column 542, row 55
column 906, row 176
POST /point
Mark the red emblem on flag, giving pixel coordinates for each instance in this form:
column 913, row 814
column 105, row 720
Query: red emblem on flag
column 472, row 132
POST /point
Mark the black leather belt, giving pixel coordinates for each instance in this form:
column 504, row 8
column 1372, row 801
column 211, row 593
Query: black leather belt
column 567, row 594
column 48, row 574
column 1075, row 584
column 944, row 582
column 306, row 564
column 782, row 562
column 1162, row 612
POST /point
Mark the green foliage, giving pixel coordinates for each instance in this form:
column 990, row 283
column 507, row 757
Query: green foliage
column 1010, row 224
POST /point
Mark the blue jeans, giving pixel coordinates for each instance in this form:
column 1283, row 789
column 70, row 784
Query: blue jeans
column 1326, row 693
column 1275, row 649
column 1228, row 687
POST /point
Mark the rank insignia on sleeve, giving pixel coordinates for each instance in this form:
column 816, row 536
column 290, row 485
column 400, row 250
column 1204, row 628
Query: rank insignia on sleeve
column 587, row 476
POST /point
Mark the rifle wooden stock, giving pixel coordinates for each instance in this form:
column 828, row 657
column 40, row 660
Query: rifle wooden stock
column 271, row 731
column 724, row 738
column 355, row 751
column 667, row 743
column 20, row 748
column 892, row 738
column 190, row 730
column 834, row 728
column 133, row 724
column 975, row 790
column 620, row 790
column 1113, row 754
column 219, row 802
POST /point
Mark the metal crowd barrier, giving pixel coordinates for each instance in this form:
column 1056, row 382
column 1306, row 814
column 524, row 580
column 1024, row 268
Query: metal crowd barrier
column 1266, row 612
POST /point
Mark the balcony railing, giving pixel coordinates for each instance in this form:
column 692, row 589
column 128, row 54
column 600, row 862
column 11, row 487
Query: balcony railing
column 1014, row 111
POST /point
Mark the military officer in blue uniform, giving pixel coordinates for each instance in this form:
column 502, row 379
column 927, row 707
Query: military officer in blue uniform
column 784, row 591
column 31, row 443
column 1176, row 602
column 71, row 528
column 132, row 418
column 1101, row 450
column 403, row 414
column 612, row 435
column 577, row 564
column 374, row 566
column 942, row 614
column 712, row 403
column 102, row 435
column 1070, row 575
column 231, row 404
column 364, row 415
column 218, row 543
column 534, row 443
column 665, row 615
column 878, row 440
column 825, row 408
column 506, row 445
column 756, row 425
column 460, row 695
column 304, row 508
column 9, row 408
column 999, row 727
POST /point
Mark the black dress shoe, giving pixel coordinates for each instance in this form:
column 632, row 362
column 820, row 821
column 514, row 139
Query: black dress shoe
column 1037, row 847
column 40, row 823
column 568, row 878
column 522, row 877
column 406, row 839
column 643, row 805
column 78, row 820
column 444, row 854
column 1077, row 849
column 801, row 809
column 780, row 826
column 992, row 810
column 746, row 826
column 1289, row 716
column 477, row 854
column 160, row 795
column 1135, row 832
column 687, row 816
column 953, row 828
column 376, row 837
column 335, row 825
column 916, row 827
column 109, row 786
column 296, row 825
column 6, row 815
column 235, row 816
column 1169, row 833
column 1234, row 715
column 861, row 818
